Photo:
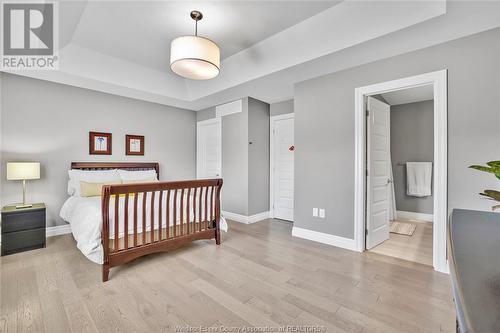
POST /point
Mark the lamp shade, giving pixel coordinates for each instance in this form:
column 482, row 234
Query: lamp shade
column 194, row 57
column 23, row 170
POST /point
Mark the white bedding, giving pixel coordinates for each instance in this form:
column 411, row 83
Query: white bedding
column 84, row 216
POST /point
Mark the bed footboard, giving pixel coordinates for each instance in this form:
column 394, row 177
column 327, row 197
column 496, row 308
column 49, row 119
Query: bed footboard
column 139, row 219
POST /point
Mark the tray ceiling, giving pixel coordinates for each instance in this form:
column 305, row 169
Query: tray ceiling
column 122, row 47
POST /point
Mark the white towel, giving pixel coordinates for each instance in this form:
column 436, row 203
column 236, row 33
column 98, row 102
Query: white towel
column 418, row 178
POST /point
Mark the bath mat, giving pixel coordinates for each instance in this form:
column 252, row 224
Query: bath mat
column 401, row 228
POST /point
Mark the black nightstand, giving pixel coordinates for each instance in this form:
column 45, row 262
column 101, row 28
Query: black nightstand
column 23, row 229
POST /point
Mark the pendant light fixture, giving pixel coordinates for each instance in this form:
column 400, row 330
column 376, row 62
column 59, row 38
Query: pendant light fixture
column 195, row 57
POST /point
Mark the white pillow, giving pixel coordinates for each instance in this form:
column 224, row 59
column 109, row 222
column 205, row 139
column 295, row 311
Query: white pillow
column 137, row 175
column 90, row 176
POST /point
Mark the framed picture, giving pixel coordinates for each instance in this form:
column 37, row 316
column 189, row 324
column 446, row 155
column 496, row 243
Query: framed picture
column 134, row 144
column 99, row 143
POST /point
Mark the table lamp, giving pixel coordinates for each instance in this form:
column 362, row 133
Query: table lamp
column 23, row 171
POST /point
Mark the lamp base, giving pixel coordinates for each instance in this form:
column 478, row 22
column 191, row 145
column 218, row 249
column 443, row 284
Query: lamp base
column 24, row 206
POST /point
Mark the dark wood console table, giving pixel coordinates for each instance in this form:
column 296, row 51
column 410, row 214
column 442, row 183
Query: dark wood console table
column 474, row 256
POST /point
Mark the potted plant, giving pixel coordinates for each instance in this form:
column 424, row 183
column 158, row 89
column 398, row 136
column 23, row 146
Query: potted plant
column 494, row 168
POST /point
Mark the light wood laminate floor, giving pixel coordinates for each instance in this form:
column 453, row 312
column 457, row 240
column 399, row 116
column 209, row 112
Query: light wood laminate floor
column 417, row 247
column 259, row 276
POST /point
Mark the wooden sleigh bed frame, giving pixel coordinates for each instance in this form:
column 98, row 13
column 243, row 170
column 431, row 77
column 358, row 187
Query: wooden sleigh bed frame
column 199, row 197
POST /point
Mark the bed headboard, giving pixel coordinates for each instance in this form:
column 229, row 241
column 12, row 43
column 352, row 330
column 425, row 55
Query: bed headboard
column 131, row 166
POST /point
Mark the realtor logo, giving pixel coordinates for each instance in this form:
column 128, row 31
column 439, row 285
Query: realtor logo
column 29, row 36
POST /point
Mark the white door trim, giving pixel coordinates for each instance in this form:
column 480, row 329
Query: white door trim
column 439, row 81
column 207, row 122
column 272, row 125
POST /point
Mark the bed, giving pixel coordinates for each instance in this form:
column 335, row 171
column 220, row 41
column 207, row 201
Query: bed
column 128, row 221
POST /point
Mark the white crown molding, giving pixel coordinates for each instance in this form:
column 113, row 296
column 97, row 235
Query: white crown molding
column 245, row 219
column 320, row 237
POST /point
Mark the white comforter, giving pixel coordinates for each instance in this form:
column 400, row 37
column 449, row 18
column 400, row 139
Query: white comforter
column 84, row 216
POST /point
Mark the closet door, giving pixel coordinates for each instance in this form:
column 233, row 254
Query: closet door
column 209, row 149
column 282, row 156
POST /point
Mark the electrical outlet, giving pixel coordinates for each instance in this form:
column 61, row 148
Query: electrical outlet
column 315, row 212
column 322, row 213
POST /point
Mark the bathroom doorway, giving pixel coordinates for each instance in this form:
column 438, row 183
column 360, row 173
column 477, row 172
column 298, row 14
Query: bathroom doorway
column 400, row 155
column 375, row 169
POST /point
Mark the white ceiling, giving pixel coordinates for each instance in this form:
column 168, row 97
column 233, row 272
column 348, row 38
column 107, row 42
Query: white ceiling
column 121, row 47
column 141, row 31
column 412, row 95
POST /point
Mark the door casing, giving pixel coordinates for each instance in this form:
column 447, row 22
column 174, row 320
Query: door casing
column 439, row 81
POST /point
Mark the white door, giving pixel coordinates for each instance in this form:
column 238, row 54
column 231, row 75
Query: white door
column 378, row 178
column 282, row 152
column 209, row 149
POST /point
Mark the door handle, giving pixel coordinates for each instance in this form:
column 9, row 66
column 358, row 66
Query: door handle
column 389, row 181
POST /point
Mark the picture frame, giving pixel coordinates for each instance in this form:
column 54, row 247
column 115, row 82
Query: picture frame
column 100, row 143
column 134, row 145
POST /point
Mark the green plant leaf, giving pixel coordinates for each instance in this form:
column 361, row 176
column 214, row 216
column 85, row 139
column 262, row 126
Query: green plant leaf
column 494, row 164
column 487, row 196
column 495, row 195
column 483, row 168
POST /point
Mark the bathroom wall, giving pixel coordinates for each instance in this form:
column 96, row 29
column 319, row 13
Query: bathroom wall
column 412, row 140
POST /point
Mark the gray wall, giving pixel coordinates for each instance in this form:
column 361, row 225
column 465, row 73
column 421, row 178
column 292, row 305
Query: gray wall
column 234, row 195
column 49, row 123
column 412, row 139
column 258, row 156
column 205, row 114
column 324, row 128
column 245, row 167
column 235, row 161
column 281, row 108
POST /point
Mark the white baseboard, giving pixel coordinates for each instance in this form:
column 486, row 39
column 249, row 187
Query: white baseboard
column 245, row 219
column 320, row 237
column 58, row 230
column 401, row 214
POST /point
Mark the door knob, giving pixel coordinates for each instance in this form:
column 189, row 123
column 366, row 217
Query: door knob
column 389, row 181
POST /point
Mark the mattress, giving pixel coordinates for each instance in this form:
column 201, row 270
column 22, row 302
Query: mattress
column 85, row 217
